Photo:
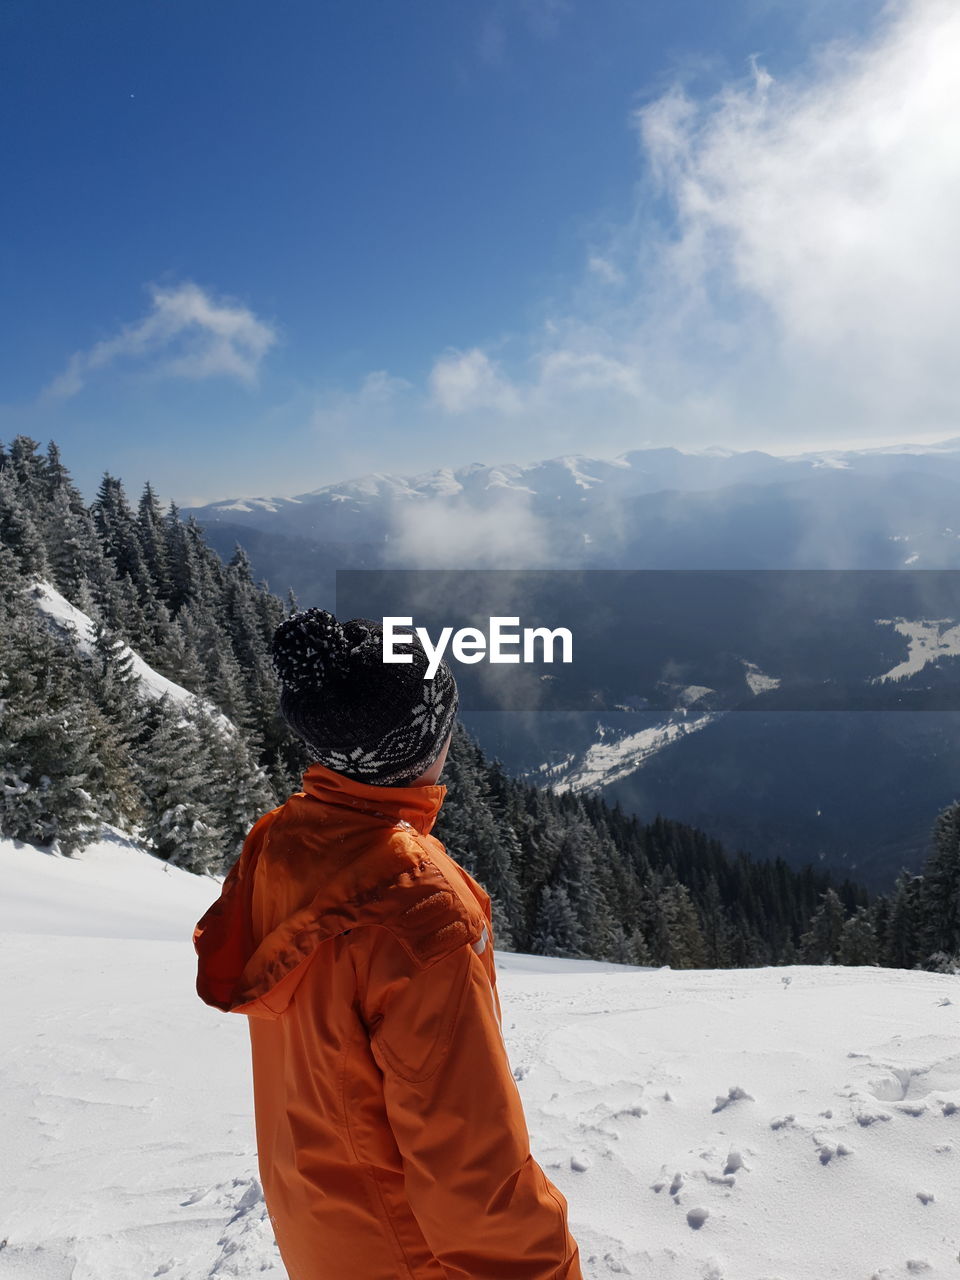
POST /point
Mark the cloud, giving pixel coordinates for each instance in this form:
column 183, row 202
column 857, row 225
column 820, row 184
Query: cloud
column 805, row 281
column 604, row 269
column 185, row 334
column 437, row 533
column 373, row 403
column 461, row 381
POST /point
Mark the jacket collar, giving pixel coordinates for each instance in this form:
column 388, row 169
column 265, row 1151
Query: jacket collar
column 417, row 807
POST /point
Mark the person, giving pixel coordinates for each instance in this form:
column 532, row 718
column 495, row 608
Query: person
column 390, row 1132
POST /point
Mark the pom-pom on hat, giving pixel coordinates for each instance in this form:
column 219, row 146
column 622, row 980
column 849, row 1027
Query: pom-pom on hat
column 377, row 722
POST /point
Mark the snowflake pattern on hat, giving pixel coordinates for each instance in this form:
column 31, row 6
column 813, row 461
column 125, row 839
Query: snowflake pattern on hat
column 372, row 721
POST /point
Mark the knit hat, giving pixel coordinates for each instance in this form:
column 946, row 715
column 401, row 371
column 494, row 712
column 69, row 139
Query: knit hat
column 376, row 722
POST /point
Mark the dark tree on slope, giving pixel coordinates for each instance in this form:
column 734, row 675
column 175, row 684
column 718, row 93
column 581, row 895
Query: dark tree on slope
column 558, row 931
column 679, row 939
column 903, row 947
column 821, row 943
column 858, row 939
column 939, row 927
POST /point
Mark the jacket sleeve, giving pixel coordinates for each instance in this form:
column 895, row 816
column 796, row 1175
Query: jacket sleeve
column 484, row 1205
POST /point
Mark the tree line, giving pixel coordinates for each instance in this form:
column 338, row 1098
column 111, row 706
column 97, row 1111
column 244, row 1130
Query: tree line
column 83, row 743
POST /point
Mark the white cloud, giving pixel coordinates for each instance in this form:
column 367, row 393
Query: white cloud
column 809, row 284
column 373, row 404
column 436, row 533
column 604, row 269
column 462, row 381
column 185, row 334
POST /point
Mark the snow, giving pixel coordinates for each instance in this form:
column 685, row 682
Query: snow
column 762, row 1124
column 609, row 760
column 80, row 627
column 572, row 463
column 757, row 682
column 254, row 504
column 928, row 640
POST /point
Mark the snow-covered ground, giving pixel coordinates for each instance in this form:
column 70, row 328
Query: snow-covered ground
column 767, row 1124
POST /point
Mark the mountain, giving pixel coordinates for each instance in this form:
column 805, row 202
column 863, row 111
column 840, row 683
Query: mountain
column 656, row 507
column 679, row 1112
column 813, row 784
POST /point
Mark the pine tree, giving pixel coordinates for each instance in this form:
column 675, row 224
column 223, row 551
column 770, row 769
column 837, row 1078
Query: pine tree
column 114, row 689
column 557, row 931
column 50, row 738
column 939, row 906
column 682, row 941
column 239, row 789
column 18, row 528
column 716, row 928
column 858, row 941
column 182, row 822
column 903, row 949
column 821, row 943
column 119, row 534
column 153, row 543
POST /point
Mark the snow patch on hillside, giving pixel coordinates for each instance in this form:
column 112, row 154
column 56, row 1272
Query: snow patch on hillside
column 613, row 758
column 757, row 682
column 928, row 641
column 79, row 626
column 703, row 1125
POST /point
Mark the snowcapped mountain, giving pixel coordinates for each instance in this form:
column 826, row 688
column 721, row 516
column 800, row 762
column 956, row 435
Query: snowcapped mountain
column 700, row 1122
column 887, row 508
column 370, row 508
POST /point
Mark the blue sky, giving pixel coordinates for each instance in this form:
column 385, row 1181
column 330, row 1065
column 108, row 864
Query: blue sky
column 256, row 247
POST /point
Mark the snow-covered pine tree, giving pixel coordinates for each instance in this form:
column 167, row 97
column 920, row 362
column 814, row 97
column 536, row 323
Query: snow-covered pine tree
column 50, row 738
column 557, row 931
column 680, row 928
column 858, row 940
column 821, row 943
column 482, row 842
column 239, row 789
column 179, row 780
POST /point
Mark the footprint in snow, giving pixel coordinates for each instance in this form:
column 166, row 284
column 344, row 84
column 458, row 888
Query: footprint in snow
column 865, row 1118
column 697, row 1217
column 734, row 1094
column 827, row 1152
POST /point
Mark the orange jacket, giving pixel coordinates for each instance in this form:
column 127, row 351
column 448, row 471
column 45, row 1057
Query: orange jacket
column 391, row 1137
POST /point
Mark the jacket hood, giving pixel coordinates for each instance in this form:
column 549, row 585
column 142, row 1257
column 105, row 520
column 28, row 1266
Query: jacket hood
column 337, row 854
